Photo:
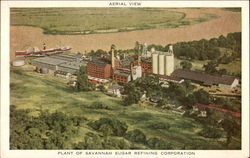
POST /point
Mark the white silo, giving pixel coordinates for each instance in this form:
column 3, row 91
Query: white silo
column 169, row 63
column 171, row 49
column 155, row 63
column 161, row 64
column 152, row 50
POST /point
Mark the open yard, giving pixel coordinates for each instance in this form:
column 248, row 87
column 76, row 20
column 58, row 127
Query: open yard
column 33, row 91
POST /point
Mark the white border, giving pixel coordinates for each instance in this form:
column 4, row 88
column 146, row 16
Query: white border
column 5, row 43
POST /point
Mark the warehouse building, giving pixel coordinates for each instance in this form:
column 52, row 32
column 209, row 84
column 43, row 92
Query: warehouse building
column 71, row 67
column 68, row 57
column 203, row 78
column 165, row 79
column 69, row 63
column 47, row 62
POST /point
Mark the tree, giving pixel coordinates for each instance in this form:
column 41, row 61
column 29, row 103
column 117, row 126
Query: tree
column 133, row 97
column 222, row 71
column 102, row 88
column 156, row 143
column 211, row 132
column 136, row 136
column 231, row 127
column 82, row 83
column 109, row 126
column 202, row 96
column 186, row 65
column 189, row 101
column 210, row 67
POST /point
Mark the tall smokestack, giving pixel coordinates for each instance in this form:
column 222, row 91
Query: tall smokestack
column 139, row 60
column 113, row 56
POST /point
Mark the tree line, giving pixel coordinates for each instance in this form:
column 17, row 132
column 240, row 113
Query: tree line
column 56, row 131
column 206, row 49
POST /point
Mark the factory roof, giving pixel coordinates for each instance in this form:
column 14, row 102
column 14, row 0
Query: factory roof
column 172, row 78
column 146, row 60
column 114, row 87
column 72, row 65
column 122, row 72
column 75, row 55
column 127, row 61
column 98, row 79
column 49, row 60
column 62, row 58
column 98, row 62
column 203, row 77
column 67, row 57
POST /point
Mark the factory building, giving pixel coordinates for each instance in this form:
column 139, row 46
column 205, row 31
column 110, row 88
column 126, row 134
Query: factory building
column 70, row 67
column 165, row 79
column 99, row 81
column 205, row 79
column 163, row 62
column 122, row 75
column 99, row 69
column 121, row 71
column 47, row 62
column 136, row 72
column 69, row 63
column 146, row 66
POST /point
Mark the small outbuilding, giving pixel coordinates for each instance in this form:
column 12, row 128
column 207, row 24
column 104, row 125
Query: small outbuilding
column 115, row 89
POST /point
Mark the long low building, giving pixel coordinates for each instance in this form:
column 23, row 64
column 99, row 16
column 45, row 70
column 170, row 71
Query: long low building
column 203, row 78
column 47, row 62
column 63, row 62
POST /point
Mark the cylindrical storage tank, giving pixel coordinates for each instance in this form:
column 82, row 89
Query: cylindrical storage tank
column 169, row 65
column 155, row 63
column 18, row 63
column 44, row 70
column 161, row 64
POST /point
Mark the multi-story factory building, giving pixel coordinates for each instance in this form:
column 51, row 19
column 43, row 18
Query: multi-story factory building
column 146, row 66
column 122, row 75
column 99, row 69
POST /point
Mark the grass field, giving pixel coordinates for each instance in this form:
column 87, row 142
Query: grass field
column 232, row 68
column 101, row 20
column 33, row 91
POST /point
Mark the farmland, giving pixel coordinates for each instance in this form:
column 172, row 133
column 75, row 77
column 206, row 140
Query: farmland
column 38, row 92
column 101, row 20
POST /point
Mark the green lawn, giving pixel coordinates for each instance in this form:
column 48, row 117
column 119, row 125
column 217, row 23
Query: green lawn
column 33, row 91
column 101, row 20
column 233, row 67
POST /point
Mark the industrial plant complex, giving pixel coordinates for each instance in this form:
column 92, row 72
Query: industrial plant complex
column 101, row 70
